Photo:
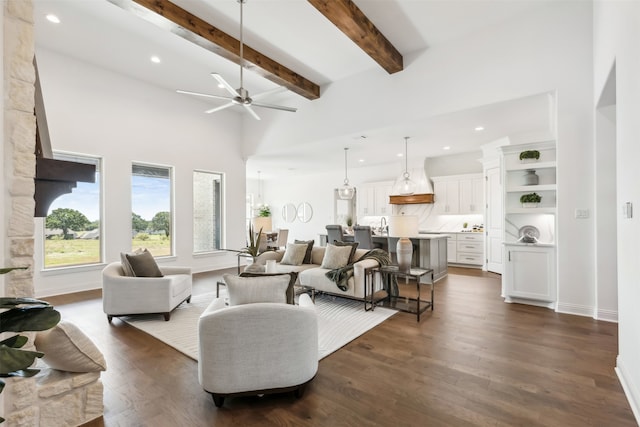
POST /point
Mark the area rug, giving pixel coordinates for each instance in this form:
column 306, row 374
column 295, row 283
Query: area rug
column 340, row 321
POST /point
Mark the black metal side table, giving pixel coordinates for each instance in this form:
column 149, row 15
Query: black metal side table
column 416, row 305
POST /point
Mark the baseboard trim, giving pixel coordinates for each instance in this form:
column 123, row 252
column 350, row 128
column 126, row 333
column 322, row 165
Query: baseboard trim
column 630, row 389
column 578, row 310
column 537, row 303
column 608, row 315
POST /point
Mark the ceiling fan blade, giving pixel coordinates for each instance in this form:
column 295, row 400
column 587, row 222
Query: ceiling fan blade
column 222, row 107
column 203, row 94
column 275, row 107
column 226, row 85
column 269, row 92
column 253, row 113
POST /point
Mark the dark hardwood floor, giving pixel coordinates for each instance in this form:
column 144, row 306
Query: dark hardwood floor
column 474, row 361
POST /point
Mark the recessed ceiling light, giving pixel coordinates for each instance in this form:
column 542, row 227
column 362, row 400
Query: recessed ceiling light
column 361, row 160
column 400, row 154
column 155, row 59
column 479, row 128
column 53, row 18
column 220, row 85
column 446, row 147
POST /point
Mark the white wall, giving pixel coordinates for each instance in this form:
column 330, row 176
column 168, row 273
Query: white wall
column 547, row 50
column 97, row 112
column 617, row 32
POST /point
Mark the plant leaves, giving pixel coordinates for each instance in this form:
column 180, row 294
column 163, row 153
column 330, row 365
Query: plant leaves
column 13, row 302
column 30, row 318
column 9, row 269
column 16, row 341
column 13, row 360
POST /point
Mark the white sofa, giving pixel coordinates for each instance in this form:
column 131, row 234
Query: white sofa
column 257, row 348
column 125, row 295
column 313, row 275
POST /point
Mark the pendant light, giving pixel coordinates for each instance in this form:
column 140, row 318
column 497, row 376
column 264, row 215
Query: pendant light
column 346, row 192
column 407, row 187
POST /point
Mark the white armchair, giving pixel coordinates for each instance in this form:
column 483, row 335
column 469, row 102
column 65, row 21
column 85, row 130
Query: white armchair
column 257, row 348
column 125, row 295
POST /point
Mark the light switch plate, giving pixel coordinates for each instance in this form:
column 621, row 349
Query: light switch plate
column 627, row 210
column 582, row 213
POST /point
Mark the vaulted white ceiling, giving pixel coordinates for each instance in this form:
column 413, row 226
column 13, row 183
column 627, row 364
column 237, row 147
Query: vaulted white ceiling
column 298, row 36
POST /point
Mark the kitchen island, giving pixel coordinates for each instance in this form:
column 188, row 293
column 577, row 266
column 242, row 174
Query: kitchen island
column 429, row 251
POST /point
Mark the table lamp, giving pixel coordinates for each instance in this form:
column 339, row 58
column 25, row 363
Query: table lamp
column 263, row 222
column 403, row 226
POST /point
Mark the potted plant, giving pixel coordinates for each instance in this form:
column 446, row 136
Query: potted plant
column 19, row 315
column 264, row 211
column 349, row 222
column 529, row 156
column 530, row 200
column 253, row 248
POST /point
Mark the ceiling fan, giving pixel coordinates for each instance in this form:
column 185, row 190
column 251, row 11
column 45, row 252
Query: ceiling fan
column 240, row 96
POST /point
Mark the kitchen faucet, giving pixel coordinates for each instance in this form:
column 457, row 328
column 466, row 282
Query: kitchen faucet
column 382, row 228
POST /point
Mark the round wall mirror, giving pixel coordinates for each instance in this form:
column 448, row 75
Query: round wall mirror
column 305, row 212
column 289, row 212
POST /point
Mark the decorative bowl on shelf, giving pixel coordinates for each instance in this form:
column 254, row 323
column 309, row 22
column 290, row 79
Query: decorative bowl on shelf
column 529, row 205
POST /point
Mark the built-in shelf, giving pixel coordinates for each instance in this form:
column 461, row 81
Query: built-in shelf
column 532, row 165
column 529, row 188
column 538, row 210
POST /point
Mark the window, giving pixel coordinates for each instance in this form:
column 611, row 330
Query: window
column 73, row 224
column 207, row 211
column 151, row 216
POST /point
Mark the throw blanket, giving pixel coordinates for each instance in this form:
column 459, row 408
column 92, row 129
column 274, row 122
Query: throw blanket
column 341, row 275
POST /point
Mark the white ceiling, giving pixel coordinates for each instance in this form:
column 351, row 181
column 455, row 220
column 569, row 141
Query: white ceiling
column 295, row 34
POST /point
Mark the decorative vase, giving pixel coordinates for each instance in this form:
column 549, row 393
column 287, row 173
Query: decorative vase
column 529, row 205
column 531, row 178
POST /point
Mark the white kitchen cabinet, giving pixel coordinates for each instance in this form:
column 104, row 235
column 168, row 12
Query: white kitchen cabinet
column 471, row 196
column 373, row 199
column 530, row 273
column 469, row 249
column 382, row 193
column 365, row 201
column 458, row 194
column 446, row 196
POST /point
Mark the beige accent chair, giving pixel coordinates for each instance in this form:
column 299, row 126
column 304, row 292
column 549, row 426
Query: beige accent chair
column 125, row 295
column 257, row 348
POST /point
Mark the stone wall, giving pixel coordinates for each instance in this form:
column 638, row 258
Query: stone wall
column 52, row 398
column 19, row 137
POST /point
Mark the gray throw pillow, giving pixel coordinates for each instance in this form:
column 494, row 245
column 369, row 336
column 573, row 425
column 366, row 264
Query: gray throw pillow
column 307, row 255
column 294, row 254
column 144, row 265
column 124, row 262
column 262, row 288
column 336, row 257
column 354, row 246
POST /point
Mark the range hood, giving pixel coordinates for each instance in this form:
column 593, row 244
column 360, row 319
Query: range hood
column 411, row 199
column 423, row 193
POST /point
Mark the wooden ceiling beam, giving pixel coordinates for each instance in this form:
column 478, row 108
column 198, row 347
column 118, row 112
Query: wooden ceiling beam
column 345, row 15
column 171, row 17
